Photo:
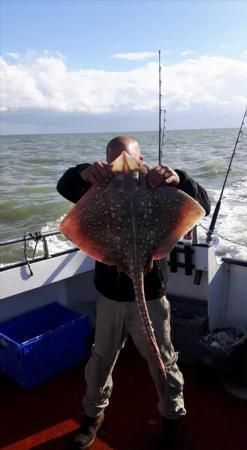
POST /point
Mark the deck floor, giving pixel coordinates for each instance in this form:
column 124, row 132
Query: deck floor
column 47, row 417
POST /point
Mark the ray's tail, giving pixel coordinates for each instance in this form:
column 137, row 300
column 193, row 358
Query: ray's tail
column 138, row 282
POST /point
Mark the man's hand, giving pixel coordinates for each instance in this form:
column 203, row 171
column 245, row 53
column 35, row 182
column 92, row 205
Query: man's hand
column 98, row 173
column 162, row 175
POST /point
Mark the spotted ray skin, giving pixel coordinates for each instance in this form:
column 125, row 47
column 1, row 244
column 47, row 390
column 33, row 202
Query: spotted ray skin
column 129, row 224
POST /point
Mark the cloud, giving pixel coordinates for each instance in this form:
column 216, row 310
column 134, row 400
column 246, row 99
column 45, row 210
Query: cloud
column 135, row 56
column 45, row 82
column 187, row 53
column 13, row 55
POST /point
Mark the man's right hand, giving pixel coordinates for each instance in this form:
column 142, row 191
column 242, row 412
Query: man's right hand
column 99, row 173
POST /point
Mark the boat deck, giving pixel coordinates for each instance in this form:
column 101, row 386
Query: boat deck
column 47, row 417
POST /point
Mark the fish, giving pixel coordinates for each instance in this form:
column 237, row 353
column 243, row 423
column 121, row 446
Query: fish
column 128, row 224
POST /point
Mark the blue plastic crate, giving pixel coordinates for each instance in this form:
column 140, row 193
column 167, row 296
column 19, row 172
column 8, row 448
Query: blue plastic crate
column 39, row 344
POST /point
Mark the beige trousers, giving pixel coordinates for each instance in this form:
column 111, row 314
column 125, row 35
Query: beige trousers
column 114, row 323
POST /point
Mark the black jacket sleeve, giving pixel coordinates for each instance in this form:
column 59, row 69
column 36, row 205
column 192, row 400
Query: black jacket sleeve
column 71, row 185
column 194, row 189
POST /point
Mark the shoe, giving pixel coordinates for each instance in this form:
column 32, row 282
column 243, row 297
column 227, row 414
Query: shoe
column 172, row 433
column 88, row 431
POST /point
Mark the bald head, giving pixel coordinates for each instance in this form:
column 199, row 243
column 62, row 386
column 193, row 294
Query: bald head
column 122, row 143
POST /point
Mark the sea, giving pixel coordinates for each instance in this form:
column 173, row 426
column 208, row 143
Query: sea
column 31, row 165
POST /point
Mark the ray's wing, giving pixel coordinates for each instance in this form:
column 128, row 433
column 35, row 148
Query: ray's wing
column 87, row 226
column 174, row 214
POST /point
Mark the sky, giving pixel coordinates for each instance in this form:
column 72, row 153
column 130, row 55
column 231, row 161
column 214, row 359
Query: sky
column 92, row 66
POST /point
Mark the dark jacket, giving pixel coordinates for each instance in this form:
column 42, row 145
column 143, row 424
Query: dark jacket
column 108, row 281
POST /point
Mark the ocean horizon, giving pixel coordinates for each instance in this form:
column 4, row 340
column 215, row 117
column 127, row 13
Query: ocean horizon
column 118, row 131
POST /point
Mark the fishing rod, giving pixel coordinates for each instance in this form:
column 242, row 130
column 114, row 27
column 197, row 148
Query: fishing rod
column 160, row 111
column 161, row 129
column 163, row 132
column 217, row 208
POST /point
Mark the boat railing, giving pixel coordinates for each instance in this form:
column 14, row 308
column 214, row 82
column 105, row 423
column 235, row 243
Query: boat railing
column 36, row 237
column 30, row 236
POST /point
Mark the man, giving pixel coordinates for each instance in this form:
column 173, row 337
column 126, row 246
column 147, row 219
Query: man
column 117, row 313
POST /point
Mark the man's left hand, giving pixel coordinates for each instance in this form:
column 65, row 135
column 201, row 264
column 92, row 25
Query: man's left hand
column 162, row 175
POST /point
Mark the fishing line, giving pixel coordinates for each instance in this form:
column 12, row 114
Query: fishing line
column 224, row 238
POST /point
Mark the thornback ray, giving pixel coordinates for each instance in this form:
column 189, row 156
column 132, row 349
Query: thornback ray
column 128, row 224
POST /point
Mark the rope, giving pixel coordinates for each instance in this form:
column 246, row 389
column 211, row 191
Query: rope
column 36, row 237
